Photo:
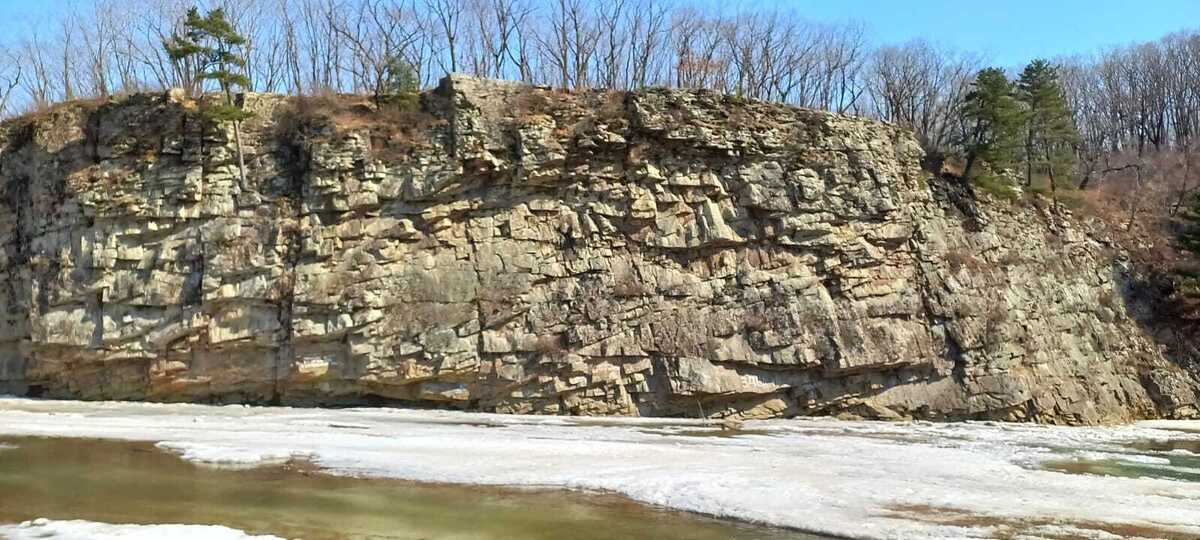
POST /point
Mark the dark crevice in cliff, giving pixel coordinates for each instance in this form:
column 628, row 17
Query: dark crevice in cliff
column 1151, row 299
column 936, row 322
column 194, row 296
column 95, row 307
column 91, row 137
column 201, row 262
column 298, row 158
column 954, row 353
column 17, row 196
column 16, row 192
column 958, row 194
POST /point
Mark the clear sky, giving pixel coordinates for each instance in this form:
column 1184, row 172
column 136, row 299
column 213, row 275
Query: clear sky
column 1007, row 32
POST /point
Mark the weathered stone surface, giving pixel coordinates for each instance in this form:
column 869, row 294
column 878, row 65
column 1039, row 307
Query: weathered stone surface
column 521, row 250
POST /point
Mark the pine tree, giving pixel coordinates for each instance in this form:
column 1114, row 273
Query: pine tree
column 993, row 117
column 213, row 49
column 1049, row 130
column 399, row 85
column 400, row 77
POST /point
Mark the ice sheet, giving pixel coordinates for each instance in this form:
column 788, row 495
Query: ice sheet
column 87, row 530
column 854, row 479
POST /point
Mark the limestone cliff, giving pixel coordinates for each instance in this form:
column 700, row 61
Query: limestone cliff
column 514, row 249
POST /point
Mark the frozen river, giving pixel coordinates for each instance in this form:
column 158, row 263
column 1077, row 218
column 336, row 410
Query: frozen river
column 819, row 476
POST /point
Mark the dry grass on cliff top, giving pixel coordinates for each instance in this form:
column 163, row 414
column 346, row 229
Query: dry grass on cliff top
column 84, row 106
column 1142, row 227
column 1146, row 230
column 1134, row 219
column 396, row 126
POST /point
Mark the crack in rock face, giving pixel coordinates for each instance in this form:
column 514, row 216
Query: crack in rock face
column 508, row 248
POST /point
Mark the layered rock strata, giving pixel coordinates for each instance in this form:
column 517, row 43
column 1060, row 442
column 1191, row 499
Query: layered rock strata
column 515, row 249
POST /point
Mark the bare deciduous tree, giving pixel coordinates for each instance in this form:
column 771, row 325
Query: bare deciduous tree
column 921, row 87
column 380, row 35
column 10, row 78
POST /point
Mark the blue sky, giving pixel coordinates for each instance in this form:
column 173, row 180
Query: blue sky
column 1007, row 32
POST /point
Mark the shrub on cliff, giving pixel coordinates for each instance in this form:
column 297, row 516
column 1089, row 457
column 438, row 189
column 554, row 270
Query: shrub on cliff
column 1189, row 237
column 1189, row 240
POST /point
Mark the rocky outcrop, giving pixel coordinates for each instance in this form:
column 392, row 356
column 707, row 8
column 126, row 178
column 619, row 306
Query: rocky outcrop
column 515, row 249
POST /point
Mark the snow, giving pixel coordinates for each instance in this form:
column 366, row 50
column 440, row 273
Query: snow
column 1127, row 458
column 88, row 530
column 1184, row 425
column 230, row 458
column 852, row 479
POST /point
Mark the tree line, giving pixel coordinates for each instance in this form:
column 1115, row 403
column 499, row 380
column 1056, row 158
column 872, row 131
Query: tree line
column 305, row 47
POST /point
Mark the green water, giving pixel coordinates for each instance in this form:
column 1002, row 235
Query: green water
column 1161, row 445
column 1185, row 467
column 119, row 482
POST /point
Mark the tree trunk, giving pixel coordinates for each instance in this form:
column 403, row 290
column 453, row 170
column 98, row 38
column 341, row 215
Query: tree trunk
column 1050, row 174
column 968, row 166
column 237, row 138
column 237, row 141
column 1092, row 163
column 1029, row 159
column 1187, row 173
column 1137, row 196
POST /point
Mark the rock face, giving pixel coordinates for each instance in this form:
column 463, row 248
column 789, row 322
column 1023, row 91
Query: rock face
column 515, row 249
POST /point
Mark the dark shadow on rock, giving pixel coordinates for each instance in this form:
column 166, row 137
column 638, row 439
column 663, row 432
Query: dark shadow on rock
column 44, row 163
column 1153, row 300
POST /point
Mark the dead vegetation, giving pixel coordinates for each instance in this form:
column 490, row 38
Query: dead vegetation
column 614, row 105
column 531, row 101
column 960, row 258
column 1012, row 258
column 626, row 284
column 396, row 126
column 1109, row 299
column 79, row 108
column 550, row 346
column 756, row 319
column 994, row 320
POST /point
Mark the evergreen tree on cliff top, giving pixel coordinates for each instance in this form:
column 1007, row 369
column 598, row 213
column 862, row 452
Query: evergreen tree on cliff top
column 1049, row 130
column 993, row 117
column 209, row 49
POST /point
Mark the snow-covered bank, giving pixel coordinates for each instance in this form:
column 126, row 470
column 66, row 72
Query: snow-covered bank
column 87, row 530
column 857, row 479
